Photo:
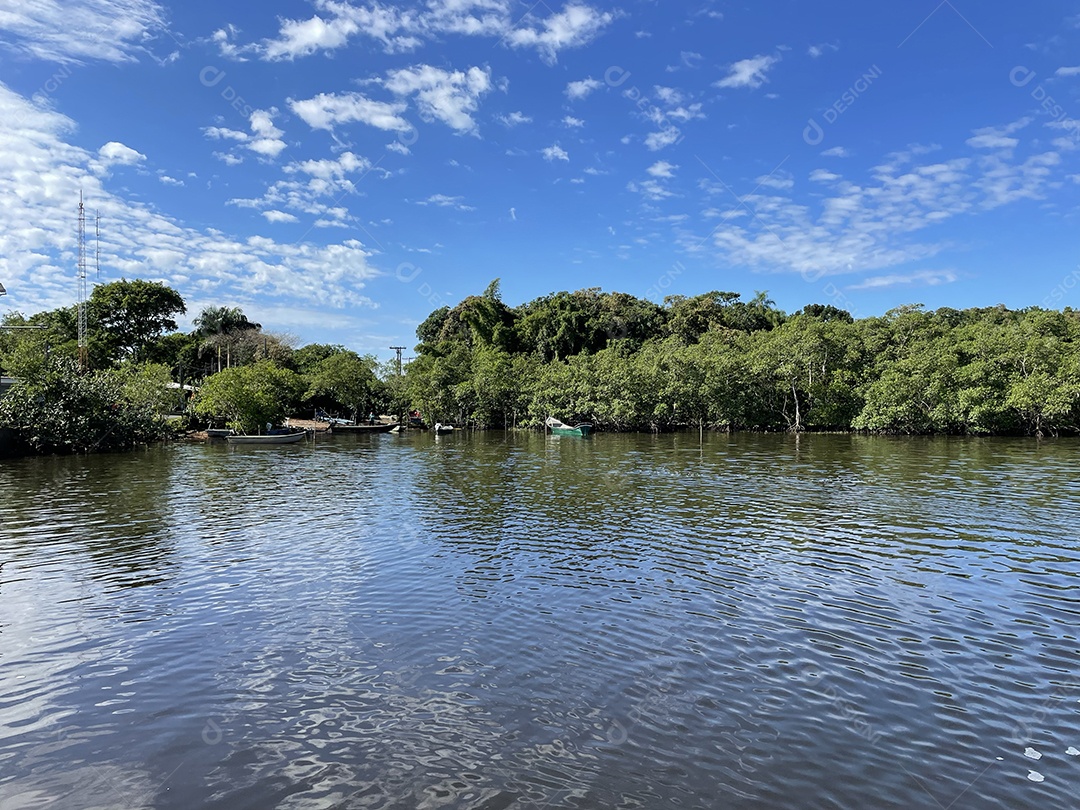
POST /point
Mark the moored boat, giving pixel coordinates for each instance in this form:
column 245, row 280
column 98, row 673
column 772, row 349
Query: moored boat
column 278, row 438
column 557, row 428
column 380, row 428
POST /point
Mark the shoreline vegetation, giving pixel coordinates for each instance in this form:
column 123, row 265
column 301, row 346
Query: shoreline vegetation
column 621, row 363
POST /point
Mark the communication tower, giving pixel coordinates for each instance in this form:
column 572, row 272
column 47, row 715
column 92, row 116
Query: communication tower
column 84, row 355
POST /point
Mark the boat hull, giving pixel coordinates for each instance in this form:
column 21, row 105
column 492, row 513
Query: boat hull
column 287, row 438
column 578, row 430
column 362, row 428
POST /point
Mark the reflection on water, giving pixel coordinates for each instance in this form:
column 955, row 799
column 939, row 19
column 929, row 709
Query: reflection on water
column 500, row 620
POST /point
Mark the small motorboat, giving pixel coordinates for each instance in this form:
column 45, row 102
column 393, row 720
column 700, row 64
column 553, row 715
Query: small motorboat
column 557, row 428
column 273, row 438
column 376, row 428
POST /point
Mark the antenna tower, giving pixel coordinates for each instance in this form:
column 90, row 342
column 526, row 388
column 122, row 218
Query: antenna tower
column 84, row 359
column 97, row 245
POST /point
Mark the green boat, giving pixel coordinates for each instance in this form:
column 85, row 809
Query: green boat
column 557, row 428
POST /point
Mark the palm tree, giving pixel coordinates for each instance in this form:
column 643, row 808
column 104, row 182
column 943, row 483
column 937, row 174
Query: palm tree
column 219, row 326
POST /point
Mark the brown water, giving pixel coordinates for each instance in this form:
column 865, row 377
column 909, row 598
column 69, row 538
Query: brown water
column 512, row 621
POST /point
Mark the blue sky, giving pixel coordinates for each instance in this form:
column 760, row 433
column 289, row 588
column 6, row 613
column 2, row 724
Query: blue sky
column 339, row 169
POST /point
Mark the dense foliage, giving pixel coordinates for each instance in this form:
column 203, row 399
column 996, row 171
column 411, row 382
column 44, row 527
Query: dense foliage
column 140, row 372
column 248, row 397
column 620, row 362
column 61, row 409
column 623, row 363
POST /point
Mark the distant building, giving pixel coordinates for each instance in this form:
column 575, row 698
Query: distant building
column 5, row 384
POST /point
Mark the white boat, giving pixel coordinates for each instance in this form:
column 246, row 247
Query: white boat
column 281, row 438
column 442, row 430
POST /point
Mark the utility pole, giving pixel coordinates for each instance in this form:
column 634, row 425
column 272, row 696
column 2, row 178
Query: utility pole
column 399, row 350
column 401, row 415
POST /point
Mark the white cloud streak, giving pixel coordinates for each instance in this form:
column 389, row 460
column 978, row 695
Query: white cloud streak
column 90, row 30
column 336, row 24
column 748, row 72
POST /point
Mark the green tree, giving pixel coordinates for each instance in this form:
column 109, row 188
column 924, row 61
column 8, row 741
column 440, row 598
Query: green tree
column 346, row 380
column 129, row 315
column 248, row 397
column 60, row 409
column 307, row 357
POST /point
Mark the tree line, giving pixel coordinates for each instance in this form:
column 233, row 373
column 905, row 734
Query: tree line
column 716, row 361
column 620, row 362
column 140, row 371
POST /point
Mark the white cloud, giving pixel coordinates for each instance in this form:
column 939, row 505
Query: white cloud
column 513, row 214
column 992, row 140
column 445, row 201
column 998, row 137
column 38, row 168
column 169, row 181
column 836, row 151
column 823, row 176
column 930, row 278
column 778, row 180
column 816, row 51
column 106, row 30
column 450, row 97
column 115, row 153
column 327, row 110
column 847, row 226
column 748, row 72
column 1067, row 71
column 554, row 152
column 339, row 22
column 513, row 119
column 656, row 141
column 223, row 38
column 346, row 163
column 224, row 133
column 574, row 26
column 662, row 169
column 398, row 29
column 669, row 95
column 278, row 216
column 650, row 189
column 314, row 188
column 264, row 139
column 469, row 17
column 573, row 123
column 582, row 88
column 684, row 114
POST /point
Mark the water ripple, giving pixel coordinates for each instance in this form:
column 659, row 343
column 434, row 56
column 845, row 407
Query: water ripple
column 496, row 621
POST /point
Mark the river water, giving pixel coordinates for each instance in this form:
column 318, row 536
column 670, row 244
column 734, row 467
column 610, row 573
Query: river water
column 521, row 621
